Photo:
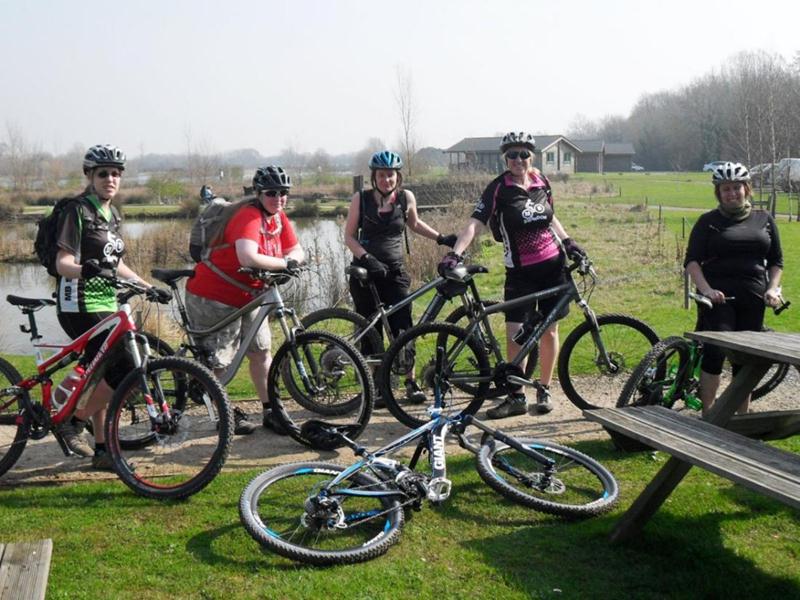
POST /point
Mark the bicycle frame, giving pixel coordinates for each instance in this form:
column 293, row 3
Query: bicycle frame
column 118, row 327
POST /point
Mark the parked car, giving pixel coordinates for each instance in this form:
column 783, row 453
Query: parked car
column 635, row 167
column 713, row 165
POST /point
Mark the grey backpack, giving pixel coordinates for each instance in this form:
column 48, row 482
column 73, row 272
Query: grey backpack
column 203, row 229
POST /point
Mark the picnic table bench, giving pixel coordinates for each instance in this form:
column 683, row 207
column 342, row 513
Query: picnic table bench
column 706, row 443
column 24, row 569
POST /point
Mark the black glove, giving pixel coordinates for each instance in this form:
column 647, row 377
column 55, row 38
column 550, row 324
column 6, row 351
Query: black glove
column 573, row 250
column 160, row 295
column 292, row 266
column 448, row 263
column 374, row 266
column 447, row 240
column 91, row 268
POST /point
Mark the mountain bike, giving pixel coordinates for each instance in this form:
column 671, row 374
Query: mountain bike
column 593, row 365
column 313, row 373
column 326, row 514
column 670, row 373
column 168, row 425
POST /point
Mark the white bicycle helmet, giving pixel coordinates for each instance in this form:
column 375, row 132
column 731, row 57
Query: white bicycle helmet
column 103, row 156
column 517, row 138
column 729, row 171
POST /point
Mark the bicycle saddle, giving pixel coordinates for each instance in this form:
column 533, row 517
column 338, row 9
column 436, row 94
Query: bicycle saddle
column 170, row 276
column 34, row 303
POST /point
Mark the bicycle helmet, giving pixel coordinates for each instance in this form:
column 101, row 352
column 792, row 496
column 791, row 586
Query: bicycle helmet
column 517, row 138
column 271, row 178
column 207, row 193
column 103, row 156
column 729, row 171
column 386, row 159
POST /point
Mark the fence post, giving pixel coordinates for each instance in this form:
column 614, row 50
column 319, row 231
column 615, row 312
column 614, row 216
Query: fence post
column 358, row 183
column 659, row 213
column 683, row 228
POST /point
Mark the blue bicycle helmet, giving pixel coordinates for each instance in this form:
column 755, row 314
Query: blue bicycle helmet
column 386, row 159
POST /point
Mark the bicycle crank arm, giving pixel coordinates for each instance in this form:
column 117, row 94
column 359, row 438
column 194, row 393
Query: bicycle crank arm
column 516, row 380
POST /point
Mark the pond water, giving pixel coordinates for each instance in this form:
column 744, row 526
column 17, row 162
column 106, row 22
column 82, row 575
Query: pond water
column 321, row 237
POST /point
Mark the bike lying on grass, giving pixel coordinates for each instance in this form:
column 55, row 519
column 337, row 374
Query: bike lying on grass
column 168, row 427
column 670, row 373
column 325, row 514
column 313, row 373
column 593, row 365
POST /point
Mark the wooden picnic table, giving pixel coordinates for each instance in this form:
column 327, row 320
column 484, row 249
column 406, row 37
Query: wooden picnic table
column 24, row 569
column 705, row 442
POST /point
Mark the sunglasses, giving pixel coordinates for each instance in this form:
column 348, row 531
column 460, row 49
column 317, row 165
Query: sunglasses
column 104, row 174
column 515, row 154
column 275, row 193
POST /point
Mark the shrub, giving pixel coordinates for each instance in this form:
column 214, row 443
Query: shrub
column 305, row 209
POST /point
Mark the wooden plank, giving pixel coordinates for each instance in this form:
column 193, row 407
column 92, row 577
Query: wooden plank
column 751, row 463
column 24, row 570
column 776, row 346
column 769, row 425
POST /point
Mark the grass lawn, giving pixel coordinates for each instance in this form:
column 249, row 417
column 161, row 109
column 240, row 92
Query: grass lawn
column 711, row 539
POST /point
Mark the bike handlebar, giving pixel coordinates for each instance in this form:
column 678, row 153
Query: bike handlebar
column 273, row 277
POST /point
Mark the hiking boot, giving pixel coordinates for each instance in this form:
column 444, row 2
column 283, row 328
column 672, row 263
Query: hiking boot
column 102, row 461
column 543, row 403
column 379, row 401
column 513, row 405
column 414, row 395
column 270, row 422
column 72, row 434
column 242, row 425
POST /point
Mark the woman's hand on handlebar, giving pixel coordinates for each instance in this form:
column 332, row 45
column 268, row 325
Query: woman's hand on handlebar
column 773, row 297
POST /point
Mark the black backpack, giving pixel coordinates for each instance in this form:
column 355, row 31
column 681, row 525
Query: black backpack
column 46, row 244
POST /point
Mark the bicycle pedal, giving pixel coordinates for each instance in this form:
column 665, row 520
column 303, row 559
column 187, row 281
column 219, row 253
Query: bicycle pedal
column 439, row 489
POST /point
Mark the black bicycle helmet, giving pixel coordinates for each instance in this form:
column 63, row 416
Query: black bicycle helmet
column 517, row 138
column 729, row 171
column 386, row 159
column 271, row 178
column 103, row 156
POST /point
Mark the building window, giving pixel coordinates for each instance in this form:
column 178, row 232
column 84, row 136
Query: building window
column 567, row 157
column 551, row 157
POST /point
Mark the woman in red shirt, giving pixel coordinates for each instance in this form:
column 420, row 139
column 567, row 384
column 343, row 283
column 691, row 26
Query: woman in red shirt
column 257, row 234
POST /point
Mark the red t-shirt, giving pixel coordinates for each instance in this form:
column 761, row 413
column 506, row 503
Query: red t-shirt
column 274, row 236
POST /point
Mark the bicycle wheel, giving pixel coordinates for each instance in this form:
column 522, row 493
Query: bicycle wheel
column 189, row 449
column 586, row 380
column 13, row 425
column 320, row 376
column 346, row 324
column 662, row 376
column 289, row 511
column 498, row 324
column 414, row 353
column 579, row 486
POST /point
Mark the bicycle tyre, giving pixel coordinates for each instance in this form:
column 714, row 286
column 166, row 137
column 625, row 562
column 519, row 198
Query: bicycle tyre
column 344, row 394
column 158, row 348
column 415, row 349
column 289, row 531
column 588, row 492
column 170, row 466
column 459, row 318
column 346, row 324
column 665, row 367
column 626, row 339
column 13, row 425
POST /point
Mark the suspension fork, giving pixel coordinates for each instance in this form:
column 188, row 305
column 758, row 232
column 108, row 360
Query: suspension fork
column 140, row 364
column 603, row 358
column 300, row 360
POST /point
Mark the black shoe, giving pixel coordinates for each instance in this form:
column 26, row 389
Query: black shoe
column 543, row 403
column 414, row 395
column 513, row 405
column 101, row 461
column 270, row 422
column 242, row 425
column 379, row 401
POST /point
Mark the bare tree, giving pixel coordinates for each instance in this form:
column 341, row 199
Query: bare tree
column 406, row 104
column 22, row 158
column 361, row 158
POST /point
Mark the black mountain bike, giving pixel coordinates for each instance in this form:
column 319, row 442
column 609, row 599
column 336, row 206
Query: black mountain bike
column 595, row 361
column 326, row 514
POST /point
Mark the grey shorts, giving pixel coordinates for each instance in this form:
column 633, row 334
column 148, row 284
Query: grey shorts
column 222, row 345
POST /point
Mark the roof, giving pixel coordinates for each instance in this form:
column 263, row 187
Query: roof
column 543, row 142
column 590, row 145
column 620, row 148
column 477, row 144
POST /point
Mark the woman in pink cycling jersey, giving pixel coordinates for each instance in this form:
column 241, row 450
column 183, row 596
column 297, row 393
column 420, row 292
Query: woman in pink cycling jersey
column 518, row 206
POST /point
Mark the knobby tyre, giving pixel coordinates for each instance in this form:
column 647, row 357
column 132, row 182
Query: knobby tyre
column 320, row 377
column 284, row 511
column 348, row 325
column 413, row 356
column 189, row 450
column 579, row 486
column 585, row 378
column 13, row 425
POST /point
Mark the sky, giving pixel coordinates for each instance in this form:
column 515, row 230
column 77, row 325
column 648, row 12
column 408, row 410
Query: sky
column 166, row 76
